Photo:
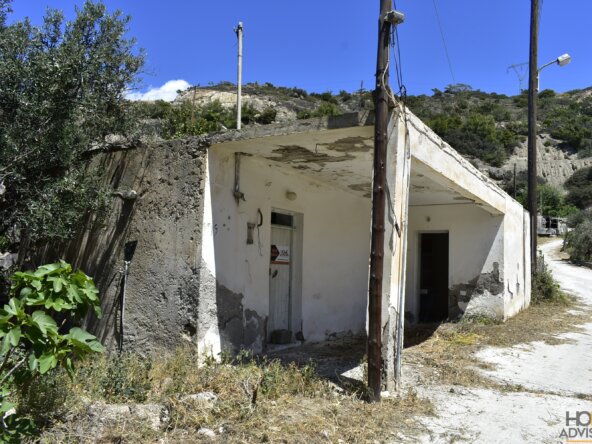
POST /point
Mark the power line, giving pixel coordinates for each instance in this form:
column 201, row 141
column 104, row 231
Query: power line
column 444, row 41
column 396, row 46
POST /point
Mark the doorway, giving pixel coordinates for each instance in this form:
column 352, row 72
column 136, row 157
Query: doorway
column 281, row 271
column 433, row 280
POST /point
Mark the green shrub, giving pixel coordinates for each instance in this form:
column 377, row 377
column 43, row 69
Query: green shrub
column 267, row 116
column 324, row 109
column 325, row 97
column 32, row 342
column 578, row 242
column 579, row 187
column 545, row 288
column 189, row 120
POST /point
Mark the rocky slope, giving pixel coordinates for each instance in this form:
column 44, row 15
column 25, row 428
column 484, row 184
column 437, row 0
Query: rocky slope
column 558, row 159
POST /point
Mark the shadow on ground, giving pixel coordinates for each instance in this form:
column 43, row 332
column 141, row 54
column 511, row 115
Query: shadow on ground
column 341, row 361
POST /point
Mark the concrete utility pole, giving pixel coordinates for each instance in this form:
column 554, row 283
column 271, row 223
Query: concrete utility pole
column 239, row 100
column 378, row 205
column 532, row 130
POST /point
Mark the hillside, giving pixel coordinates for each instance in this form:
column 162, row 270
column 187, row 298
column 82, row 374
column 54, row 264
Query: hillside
column 488, row 128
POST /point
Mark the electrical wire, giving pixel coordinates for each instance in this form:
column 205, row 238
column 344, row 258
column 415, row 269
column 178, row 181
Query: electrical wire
column 444, row 41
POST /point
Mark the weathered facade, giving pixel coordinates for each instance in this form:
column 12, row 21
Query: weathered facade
column 262, row 236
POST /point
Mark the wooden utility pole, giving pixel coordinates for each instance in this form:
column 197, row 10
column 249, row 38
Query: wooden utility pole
column 239, row 99
column 532, row 130
column 378, row 205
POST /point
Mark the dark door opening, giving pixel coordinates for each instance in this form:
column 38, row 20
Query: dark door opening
column 433, row 281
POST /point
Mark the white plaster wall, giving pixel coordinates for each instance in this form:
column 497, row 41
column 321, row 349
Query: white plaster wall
column 516, row 258
column 475, row 243
column 336, row 241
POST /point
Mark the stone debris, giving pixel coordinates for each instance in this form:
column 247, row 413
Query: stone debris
column 206, row 432
column 153, row 416
column 204, row 399
column 7, row 260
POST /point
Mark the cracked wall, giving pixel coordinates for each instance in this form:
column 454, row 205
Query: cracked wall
column 476, row 258
column 164, row 221
column 330, row 289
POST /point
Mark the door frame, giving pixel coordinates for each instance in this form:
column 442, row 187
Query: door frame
column 418, row 268
column 296, row 253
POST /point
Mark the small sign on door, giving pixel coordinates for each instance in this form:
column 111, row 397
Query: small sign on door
column 280, row 254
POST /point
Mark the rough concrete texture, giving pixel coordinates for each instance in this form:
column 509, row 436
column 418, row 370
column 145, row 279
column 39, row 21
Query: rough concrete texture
column 164, row 220
column 222, row 320
column 483, row 296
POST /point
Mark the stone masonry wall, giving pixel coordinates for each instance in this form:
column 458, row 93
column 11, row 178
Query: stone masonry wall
column 157, row 192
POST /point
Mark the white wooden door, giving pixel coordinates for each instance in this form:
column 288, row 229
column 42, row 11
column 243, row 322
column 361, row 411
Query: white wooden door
column 280, row 271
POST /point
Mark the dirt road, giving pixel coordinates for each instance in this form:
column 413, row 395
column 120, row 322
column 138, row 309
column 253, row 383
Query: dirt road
column 546, row 382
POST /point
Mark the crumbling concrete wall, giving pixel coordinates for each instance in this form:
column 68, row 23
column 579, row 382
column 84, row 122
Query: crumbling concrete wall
column 517, row 288
column 157, row 204
column 475, row 258
column 330, row 290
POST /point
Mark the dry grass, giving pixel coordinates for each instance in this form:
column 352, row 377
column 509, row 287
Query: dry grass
column 258, row 401
column 448, row 356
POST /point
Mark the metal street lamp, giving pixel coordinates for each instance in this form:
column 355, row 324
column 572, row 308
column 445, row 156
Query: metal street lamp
column 562, row 60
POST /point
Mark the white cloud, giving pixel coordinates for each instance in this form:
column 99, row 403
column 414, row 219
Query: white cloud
column 167, row 92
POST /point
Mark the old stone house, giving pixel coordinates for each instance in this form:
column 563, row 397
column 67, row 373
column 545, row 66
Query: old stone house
column 245, row 238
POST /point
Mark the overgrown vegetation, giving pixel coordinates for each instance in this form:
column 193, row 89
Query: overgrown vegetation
column 61, row 91
column 473, row 122
column 578, row 241
column 545, row 288
column 39, row 333
column 489, row 125
column 185, row 119
column 552, row 201
column 579, row 188
column 256, row 400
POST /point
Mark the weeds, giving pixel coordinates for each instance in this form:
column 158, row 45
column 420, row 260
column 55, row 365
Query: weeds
column 257, row 400
column 545, row 288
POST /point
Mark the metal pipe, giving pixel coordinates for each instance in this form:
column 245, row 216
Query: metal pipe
column 238, row 195
column 403, row 278
column 239, row 100
column 126, row 265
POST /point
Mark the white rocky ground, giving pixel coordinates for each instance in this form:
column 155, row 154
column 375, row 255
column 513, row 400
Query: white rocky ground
column 552, row 377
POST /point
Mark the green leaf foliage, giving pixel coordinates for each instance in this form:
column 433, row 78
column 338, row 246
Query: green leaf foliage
column 579, row 187
column 62, row 88
column 33, row 342
column 578, row 241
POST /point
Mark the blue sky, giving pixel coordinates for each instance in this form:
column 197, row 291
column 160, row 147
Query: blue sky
column 322, row 45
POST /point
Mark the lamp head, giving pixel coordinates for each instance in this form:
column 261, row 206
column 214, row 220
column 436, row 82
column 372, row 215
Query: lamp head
column 563, row 60
column 394, row 17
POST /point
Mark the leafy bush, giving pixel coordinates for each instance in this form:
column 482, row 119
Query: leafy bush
column 545, row 288
column 475, row 134
column 267, row 116
column 579, row 187
column 578, row 242
column 324, row 109
column 189, row 120
column 62, row 90
column 32, row 341
column 553, row 202
column 325, row 97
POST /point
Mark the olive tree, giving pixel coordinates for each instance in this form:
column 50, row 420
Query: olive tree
column 62, row 89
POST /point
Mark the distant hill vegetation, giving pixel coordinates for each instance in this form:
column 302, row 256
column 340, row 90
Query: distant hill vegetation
column 489, row 126
column 486, row 126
